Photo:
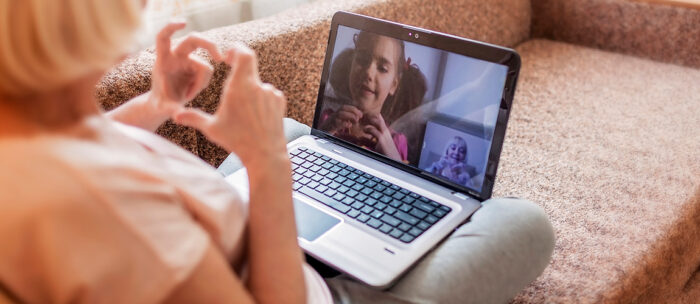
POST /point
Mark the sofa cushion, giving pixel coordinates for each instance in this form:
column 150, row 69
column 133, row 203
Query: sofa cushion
column 661, row 32
column 608, row 145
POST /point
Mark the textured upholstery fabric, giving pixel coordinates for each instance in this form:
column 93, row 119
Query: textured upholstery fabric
column 608, row 144
column 660, row 32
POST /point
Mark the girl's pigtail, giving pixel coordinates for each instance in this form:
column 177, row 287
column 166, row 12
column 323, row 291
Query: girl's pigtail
column 409, row 94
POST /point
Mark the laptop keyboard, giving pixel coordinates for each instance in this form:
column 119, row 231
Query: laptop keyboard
column 381, row 205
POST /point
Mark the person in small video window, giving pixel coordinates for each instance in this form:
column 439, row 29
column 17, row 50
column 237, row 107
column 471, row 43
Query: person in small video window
column 377, row 86
column 453, row 163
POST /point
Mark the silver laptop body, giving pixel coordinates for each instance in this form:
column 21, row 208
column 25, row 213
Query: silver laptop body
column 333, row 232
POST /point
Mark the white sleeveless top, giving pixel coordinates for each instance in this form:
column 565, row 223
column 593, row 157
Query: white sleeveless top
column 108, row 213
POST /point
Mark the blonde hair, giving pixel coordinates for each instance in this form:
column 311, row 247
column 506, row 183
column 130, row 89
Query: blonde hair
column 45, row 44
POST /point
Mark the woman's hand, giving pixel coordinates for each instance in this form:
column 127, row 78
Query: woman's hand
column 248, row 121
column 385, row 142
column 179, row 75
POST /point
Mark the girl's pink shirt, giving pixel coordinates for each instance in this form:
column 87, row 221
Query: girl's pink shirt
column 107, row 213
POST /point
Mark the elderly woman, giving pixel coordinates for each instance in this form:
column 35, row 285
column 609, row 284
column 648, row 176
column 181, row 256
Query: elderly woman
column 95, row 208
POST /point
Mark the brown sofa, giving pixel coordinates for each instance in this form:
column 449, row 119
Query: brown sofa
column 604, row 133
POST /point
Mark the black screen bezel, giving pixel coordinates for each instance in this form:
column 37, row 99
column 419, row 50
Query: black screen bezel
column 454, row 44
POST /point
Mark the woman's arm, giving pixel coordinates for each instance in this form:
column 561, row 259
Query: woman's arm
column 249, row 123
column 178, row 76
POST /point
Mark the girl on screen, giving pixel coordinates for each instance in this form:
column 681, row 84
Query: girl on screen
column 374, row 84
column 453, row 163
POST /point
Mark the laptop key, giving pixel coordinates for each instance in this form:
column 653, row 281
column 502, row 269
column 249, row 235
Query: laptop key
column 376, row 214
column 385, row 228
column 396, row 203
column 352, row 193
column 374, row 223
column 406, row 218
column 296, row 186
column 367, row 210
column 405, row 227
column 343, row 189
column 330, row 192
column 324, row 199
column 406, row 238
column 396, row 233
column 439, row 213
column 363, row 217
column 431, row 219
column 357, row 205
column 370, row 201
column 321, row 188
column 361, row 197
column 423, row 206
column 423, row 226
column 415, row 231
column 417, row 213
column 405, row 208
column 334, row 185
column 348, row 201
column 304, row 181
column 380, row 206
column 353, row 213
column 312, row 184
column 390, row 220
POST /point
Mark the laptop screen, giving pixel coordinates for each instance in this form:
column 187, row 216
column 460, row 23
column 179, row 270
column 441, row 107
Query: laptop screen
column 431, row 109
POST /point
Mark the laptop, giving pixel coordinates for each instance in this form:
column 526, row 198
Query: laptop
column 404, row 147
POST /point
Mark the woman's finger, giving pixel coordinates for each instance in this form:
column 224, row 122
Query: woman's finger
column 193, row 42
column 163, row 38
column 243, row 65
column 194, row 118
column 203, row 73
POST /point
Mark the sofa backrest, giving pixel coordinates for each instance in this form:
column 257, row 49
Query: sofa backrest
column 291, row 47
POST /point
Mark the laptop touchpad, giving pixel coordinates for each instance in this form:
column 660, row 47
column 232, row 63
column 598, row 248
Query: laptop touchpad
column 311, row 222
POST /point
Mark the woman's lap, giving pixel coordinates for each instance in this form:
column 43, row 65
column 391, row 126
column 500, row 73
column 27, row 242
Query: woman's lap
column 505, row 245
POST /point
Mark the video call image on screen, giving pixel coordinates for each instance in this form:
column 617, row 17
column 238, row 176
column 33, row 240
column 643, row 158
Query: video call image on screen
column 425, row 107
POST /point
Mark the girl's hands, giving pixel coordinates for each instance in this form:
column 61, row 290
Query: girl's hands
column 248, row 121
column 179, row 75
column 385, row 142
column 344, row 118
